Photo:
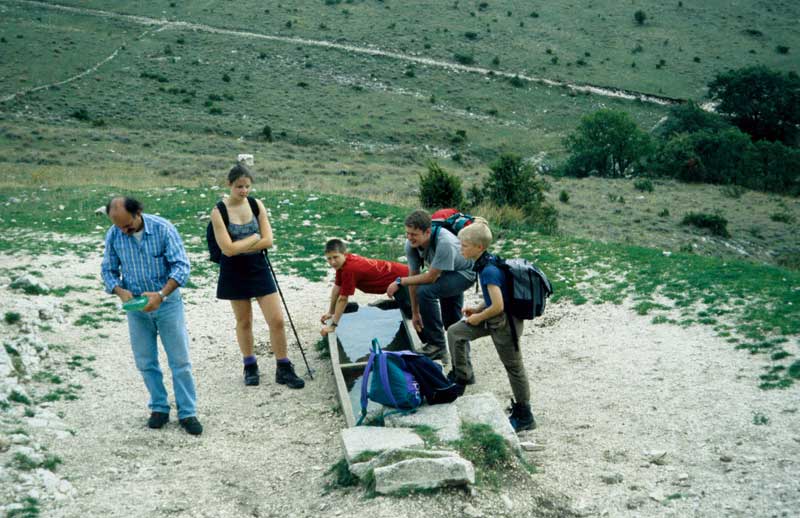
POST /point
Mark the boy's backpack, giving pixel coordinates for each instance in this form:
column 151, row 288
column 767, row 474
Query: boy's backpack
column 528, row 287
column 434, row 386
column 391, row 384
column 214, row 251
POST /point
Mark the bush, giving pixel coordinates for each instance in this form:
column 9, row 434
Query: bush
column 782, row 49
column 643, row 184
column 438, row 188
column 690, row 118
column 475, row 196
column 12, row 317
column 777, row 169
column 607, row 143
column 563, row 197
column 704, row 156
column 81, row 114
column 471, row 35
column 464, row 59
column 779, row 217
column 513, row 183
column 266, row 132
column 640, row 17
column 713, row 222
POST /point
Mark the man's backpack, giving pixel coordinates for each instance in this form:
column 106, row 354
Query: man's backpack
column 391, row 384
column 528, row 287
column 214, row 251
column 449, row 219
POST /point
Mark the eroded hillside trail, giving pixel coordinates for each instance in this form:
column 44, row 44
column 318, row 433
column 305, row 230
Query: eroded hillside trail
column 355, row 49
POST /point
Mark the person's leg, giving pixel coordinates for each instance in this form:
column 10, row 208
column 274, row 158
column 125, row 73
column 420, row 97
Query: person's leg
column 458, row 336
column 243, row 311
column 171, row 325
column 271, row 309
column 511, row 355
column 450, row 287
column 144, row 345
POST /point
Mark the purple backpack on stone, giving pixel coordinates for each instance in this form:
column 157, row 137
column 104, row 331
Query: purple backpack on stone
column 391, row 384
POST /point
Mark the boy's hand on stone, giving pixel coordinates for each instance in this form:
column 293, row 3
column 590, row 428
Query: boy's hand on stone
column 326, row 330
column 325, row 318
column 392, row 289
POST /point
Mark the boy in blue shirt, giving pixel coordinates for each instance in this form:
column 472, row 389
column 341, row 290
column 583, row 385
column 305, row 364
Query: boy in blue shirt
column 489, row 318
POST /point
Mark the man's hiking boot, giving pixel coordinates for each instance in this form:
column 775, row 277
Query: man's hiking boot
column 157, row 420
column 521, row 417
column 285, row 375
column 191, row 425
column 436, row 353
column 451, row 376
column 251, row 375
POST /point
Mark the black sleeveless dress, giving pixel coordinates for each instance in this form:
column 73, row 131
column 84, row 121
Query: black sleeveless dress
column 244, row 276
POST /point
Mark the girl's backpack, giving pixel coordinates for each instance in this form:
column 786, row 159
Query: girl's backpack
column 391, row 384
column 214, row 251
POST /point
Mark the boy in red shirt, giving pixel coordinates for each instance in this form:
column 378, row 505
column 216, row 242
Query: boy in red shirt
column 354, row 271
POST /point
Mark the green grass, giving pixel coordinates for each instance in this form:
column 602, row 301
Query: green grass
column 744, row 300
column 29, row 509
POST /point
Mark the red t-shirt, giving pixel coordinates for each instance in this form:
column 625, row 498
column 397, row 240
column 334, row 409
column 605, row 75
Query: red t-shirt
column 368, row 275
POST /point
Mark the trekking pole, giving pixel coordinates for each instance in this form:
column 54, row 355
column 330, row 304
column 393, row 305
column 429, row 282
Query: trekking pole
column 300, row 345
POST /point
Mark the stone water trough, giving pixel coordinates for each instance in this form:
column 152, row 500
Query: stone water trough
column 394, row 455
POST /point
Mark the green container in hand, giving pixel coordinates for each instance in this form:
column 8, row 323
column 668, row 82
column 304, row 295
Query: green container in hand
column 136, row 303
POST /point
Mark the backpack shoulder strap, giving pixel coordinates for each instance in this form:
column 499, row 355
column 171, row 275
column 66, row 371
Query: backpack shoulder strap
column 253, row 205
column 223, row 211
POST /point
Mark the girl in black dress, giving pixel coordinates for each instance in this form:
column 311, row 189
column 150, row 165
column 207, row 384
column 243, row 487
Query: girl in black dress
column 244, row 275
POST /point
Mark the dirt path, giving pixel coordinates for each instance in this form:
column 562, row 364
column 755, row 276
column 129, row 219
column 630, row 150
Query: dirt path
column 355, row 49
column 608, row 388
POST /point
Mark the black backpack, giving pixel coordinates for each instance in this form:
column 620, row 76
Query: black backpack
column 450, row 220
column 433, row 385
column 214, row 251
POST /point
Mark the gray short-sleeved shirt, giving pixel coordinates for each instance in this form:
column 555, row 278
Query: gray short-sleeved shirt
column 445, row 255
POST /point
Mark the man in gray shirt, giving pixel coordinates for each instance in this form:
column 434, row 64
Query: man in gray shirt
column 437, row 295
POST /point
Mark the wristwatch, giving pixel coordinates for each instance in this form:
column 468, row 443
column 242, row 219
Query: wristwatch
column 163, row 297
column 399, row 281
column 334, row 324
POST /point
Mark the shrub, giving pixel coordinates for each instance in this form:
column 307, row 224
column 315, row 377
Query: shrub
column 779, row 217
column 266, row 132
column 782, row 49
column 438, row 188
column 226, row 78
column 607, row 143
column 516, row 82
column 643, row 184
column 496, row 61
column 471, row 35
column 713, row 222
column 711, row 157
column 640, row 17
column 689, row 118
column 563, row 197
column 664, row 213
column 81, row 114
column 12, row 317
column 464, row 59
column 511, row 182
column 459, row 137
column 475, row 196
column 215, row 110
column 777, row 169
column 762, row 103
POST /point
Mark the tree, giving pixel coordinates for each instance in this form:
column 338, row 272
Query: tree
column 640, row 17
column 606, row 143
column 689, row 118
column 763, row 103
column 512, row 182
column 438, row 188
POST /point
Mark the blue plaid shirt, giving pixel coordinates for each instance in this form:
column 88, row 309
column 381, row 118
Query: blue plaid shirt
column 146, row 265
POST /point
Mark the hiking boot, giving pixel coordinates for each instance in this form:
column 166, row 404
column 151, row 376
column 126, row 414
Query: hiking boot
column 191, row 425
column 521, row 417
column 251, row 375
column 285, row 375
column 451, row 376
column 157, row 420
column 435, row 352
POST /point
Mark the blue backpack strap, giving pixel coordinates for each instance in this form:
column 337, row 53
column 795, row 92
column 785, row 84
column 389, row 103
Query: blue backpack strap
column 365, row 380
column 384, row 377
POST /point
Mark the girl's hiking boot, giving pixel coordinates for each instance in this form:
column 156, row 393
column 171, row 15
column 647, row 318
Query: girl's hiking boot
column 521, row 417
column 251, row 375
column 285, row 375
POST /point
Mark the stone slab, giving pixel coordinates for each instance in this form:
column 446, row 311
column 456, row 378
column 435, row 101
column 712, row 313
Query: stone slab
column 442, row 418
column 388, row 457
column 360, row 439
column 484, row 408
column 415, row 474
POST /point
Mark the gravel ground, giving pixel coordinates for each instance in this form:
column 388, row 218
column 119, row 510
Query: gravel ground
column 636, row 420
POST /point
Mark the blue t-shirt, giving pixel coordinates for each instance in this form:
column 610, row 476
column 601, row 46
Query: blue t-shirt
column 491, row 274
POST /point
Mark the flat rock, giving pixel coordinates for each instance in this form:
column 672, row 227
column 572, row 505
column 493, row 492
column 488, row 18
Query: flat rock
column 442, row 418
column 414, row 474
column 388, row 457
column 362, row 439
column 484, row 408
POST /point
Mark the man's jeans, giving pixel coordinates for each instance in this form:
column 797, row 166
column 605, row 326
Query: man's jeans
column 168, row 322
column 446, row 293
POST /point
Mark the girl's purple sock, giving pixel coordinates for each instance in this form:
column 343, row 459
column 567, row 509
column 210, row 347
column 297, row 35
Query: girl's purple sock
column 249, row 360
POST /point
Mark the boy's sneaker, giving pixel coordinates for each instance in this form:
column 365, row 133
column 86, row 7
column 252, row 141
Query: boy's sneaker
column 285, row 375
column 251, row 375
column 521, row 417
column 157, row 420
column 191, row 425
column 451, row 376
